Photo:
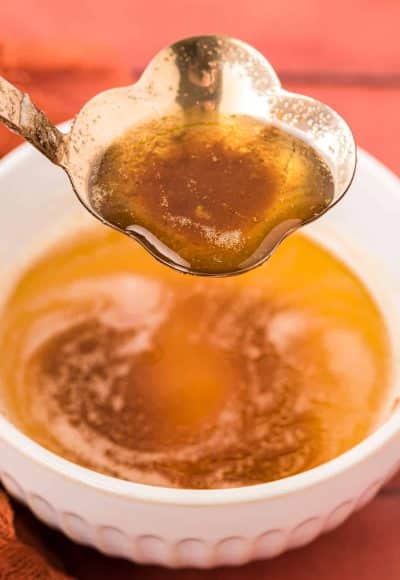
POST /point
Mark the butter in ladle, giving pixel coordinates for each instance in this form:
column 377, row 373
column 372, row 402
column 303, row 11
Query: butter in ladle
column 211, row 196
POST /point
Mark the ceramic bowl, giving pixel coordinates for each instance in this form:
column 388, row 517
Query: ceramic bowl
column 176, row 527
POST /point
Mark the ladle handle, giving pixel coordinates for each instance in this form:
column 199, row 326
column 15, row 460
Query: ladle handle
column 18, row 113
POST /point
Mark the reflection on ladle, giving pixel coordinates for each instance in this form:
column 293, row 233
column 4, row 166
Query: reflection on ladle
column 206, row 160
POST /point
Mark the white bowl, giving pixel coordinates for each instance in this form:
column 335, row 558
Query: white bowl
column 194, row 528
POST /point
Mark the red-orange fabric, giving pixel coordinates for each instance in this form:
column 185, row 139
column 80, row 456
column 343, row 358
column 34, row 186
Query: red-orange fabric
column 19, row 560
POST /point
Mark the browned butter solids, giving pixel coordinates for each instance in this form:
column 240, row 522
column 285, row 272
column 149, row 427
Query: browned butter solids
column 126, row 367
column 213, row 197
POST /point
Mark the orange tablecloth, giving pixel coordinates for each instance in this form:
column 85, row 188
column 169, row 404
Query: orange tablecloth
column 345, row 53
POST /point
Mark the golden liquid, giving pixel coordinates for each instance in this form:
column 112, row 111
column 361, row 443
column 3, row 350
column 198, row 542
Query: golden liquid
column 211, row 197
column 124, row 366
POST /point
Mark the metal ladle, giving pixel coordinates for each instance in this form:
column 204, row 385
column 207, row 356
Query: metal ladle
column 207, row 72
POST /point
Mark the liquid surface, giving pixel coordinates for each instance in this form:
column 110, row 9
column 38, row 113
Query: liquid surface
column 124, row 366
column 210, row 197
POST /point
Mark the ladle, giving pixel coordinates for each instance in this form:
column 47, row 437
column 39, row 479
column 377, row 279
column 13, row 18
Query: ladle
column 206, row 72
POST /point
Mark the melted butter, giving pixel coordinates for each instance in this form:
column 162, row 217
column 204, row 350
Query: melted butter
column 122, row 365
column 211, row 197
